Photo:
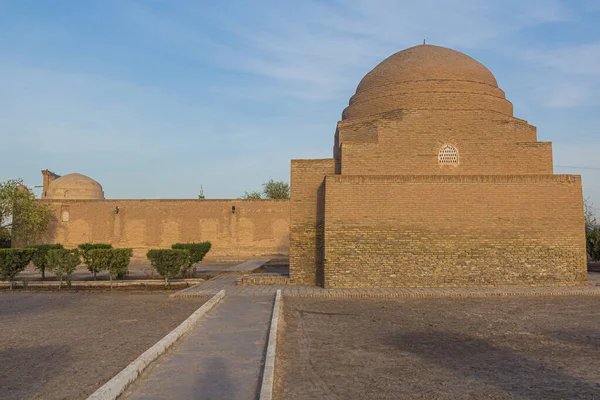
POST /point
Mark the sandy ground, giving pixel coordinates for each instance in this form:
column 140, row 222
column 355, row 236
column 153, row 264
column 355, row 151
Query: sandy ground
column 66, row 345
column 469, row 348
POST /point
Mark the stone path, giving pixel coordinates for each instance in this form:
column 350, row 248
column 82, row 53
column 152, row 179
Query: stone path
column 227, row 282
column 247, row 266
column 221, row 358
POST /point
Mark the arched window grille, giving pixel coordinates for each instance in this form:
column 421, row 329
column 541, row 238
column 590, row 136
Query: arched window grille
column 448, row 155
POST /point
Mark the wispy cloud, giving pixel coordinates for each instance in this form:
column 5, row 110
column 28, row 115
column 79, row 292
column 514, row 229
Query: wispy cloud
column 225, row 93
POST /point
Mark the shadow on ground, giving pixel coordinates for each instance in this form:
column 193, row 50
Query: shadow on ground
column 476, row 359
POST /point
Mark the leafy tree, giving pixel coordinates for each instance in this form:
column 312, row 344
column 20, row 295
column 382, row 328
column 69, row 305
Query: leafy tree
column 591, row 232
column 63, row 263
column 39, row 257
column 115, row 261
column 276, row 189
column 593, row 244
column 12, row 262
column 22, row 218
column 94, row 265
column 197, row 252
column 254, row 195
column 168, row 262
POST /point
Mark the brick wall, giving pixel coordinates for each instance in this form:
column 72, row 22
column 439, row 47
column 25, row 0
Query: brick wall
column 306, row 225
column 257, row 228
column 408, row 143
column 425, row 231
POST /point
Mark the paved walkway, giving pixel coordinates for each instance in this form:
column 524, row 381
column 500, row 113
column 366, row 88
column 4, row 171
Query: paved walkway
column 247, row 266
column 227, row 282
column 221, row 358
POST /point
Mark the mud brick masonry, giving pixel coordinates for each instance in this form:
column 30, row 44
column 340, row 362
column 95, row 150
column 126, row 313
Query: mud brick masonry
column 433, row 183
column 257, row 228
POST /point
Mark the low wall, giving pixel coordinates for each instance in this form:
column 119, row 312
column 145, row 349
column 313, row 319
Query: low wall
column 454, row 231
column 256, row 228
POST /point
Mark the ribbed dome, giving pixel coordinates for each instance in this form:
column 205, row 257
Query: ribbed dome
column 427, row 77
column 75, row 187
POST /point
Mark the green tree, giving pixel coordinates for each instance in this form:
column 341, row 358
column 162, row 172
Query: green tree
column 94, row 265
column 22, row 218
column 197, row 252
column 63, row 263
column 254, row 195
column 168, row 262
column 12, row 262
column 276, row 189
column 593, row 244
column 115, row 261
column 39, row 258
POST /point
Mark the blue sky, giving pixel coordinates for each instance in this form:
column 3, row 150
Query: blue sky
column 154, row 98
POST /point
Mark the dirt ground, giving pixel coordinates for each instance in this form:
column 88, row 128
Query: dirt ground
column 453, row 348
column 66, row 345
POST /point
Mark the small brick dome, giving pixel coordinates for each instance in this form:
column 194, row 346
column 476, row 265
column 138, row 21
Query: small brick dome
column 74, row 187
column 427, row 77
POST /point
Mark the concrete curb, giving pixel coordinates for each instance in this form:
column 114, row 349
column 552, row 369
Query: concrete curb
column 117, row 385
column 266, row 388
column 595, row 292
column 137, row 282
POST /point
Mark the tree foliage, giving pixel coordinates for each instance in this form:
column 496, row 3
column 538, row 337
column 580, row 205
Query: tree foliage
column 115, row 261
column 254, row 195
column 94, row 265
column 12, row 262
column 168, row 262
column 22, row 218
column 197, row 251
column 276, row 189
column 271, row 190
column 63, row 263
column 39, row 257
column 593, row 244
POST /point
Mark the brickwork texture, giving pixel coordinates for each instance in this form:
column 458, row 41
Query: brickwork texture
column 258, row 228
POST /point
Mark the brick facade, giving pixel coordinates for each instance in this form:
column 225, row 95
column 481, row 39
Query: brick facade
column 452, row 231
column 258, row 228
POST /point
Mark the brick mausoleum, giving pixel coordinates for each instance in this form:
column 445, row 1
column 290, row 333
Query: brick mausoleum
column 433, row 182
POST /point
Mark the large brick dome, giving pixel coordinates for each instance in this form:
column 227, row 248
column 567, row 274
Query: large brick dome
column 427, row 77
column 75, row 187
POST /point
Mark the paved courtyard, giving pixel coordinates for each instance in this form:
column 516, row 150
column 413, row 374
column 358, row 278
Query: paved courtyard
column 66, row 345
column 439, row 348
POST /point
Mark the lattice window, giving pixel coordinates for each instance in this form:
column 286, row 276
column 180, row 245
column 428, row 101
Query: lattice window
column 448, row 155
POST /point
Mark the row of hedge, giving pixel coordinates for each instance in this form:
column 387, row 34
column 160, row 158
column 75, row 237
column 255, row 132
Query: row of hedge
column 98, row 257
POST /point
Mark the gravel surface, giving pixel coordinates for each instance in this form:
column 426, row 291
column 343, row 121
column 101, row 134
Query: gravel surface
column 66, row 345
column 471, row 348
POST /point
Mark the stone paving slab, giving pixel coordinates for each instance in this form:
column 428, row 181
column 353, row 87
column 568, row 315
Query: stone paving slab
column 220, row 359
column 227, row 282
column 247, row 266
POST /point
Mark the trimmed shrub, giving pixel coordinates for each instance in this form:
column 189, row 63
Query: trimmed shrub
column 39, row 257
column 168, row 262
column 119, row 263
column 12, row 262
column 63, row 263
column 593, row 244
column 115, row 261
column 197, row 252
column 93, row 266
